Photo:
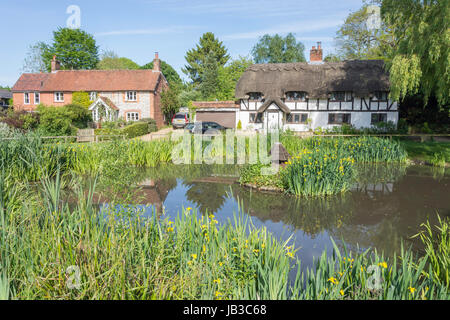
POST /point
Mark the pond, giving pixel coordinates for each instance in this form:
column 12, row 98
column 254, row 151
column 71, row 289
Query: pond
column 382, row 210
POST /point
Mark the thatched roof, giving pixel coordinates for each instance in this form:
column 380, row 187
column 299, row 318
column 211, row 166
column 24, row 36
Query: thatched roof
column 279, row 153
column 274, row 80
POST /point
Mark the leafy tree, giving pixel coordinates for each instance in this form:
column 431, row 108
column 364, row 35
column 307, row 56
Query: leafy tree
column 74, row 48
column 81, row 98
column 170, row 101
column 357, row 39
column 420, row 58
column 210, row 78
column 168, row 71
column 188, row 95
column 278, row 49
column 111, row 61
column 332, row 58
column 196, row 57
column 34, row 61
column 229, row 75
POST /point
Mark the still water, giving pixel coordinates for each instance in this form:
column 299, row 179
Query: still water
column 383, row 209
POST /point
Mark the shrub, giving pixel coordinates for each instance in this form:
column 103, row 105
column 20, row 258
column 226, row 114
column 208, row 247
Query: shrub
column 239, row 125
column 55, row 121
column 78, row 114
column 438, row 159
column 81, row 98
column 20, row 119
column 136, row 130
column 152, row 127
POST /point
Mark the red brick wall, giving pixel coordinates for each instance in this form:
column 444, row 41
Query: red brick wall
column 155, row 105
column 46, row 98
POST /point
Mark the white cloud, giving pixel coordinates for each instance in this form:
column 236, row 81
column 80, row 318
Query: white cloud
column 303, row 26
column 172, row 29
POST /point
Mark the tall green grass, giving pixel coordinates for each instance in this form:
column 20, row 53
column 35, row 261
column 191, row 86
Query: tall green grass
column 121, row 254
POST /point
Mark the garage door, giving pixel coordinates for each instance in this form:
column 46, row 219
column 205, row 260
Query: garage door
column 225, row 118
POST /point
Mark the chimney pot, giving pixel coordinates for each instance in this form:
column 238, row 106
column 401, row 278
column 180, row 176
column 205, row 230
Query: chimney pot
column 316, row 55
column 56, row 65
column 157, row 63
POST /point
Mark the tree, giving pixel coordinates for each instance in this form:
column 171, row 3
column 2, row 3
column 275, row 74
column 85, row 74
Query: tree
column 420, row 58
column 360, row 38
column 74, row 48
column 210, row 78
column 332, row 58
column 168, row 71
column 276, row 49
column 196, row 57
column 34, row 61
column 229, row 75
column 111, row 61
column 170, row 101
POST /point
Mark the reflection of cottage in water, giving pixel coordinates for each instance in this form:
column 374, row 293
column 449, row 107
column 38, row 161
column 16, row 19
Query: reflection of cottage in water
column 155, row 192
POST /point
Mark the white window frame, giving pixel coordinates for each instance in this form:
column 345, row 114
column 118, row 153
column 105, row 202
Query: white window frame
column 37, row 98
column 92, row 96
column 59, row 97
column 132, row 116
column 26, row 98
column 131, row 96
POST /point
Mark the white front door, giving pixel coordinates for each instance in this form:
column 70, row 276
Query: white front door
column 273, row 120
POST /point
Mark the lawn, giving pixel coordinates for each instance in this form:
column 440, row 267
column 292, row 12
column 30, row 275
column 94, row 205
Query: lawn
column 425, row 150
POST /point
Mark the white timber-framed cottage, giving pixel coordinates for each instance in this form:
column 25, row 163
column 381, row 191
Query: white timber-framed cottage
column 306, row 96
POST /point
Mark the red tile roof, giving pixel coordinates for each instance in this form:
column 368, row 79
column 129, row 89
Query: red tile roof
column 214, row 104
column 109, row 103
column 89, row 80
column 30, row 82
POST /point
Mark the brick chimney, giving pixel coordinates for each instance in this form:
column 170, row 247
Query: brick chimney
column 56, row 65
column 156, row 63
column 316, row 55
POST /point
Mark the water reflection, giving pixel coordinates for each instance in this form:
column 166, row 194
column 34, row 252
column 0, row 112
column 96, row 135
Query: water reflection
column 386, row 205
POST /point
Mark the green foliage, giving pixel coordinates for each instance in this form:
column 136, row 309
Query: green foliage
column 170, row 101
column 420, row 56
column 209, row 78
column 111, row 61
column 278, row 49
column 355, row 40
column 239, row 125
column 438, row 159
column 318, row 173
column 229, row 75
column 74, row 48
column 196, row 57
column 62, row 121
column 136, row 130
column 252, row 175
column 437, row 247
column 81, row 98
column 20, row 119
column 171, row 75
column 152, row 127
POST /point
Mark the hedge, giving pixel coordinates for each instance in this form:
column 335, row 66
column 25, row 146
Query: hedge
column 136, row 130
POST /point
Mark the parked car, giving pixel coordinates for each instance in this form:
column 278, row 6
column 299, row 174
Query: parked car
column 180, row 120
column 208, row 127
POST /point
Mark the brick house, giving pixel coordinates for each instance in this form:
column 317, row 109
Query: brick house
column 125, row 94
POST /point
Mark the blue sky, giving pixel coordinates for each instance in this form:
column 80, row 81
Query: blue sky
column 136, row 29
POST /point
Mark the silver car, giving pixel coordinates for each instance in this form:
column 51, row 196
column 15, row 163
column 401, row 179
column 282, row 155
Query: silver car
column 180, row 120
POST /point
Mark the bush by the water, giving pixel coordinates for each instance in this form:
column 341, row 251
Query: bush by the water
column 136, row 130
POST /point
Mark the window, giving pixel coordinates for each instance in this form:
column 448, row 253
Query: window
column 37, row 98
column 255, row 96
column 131, row 96
column 378, row 117
column 26, row 98
column 256, row 117
column 339, row 118
column 132, row 116
column 380, row 96
column 59, row 97
column 95, row 115
column 297, row 118
column 295, row 96
column 341, row 96
column 92, row 96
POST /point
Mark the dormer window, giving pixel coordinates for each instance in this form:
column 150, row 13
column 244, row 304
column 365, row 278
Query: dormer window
column 255, row 96
column 341, row 96
column 380, row 96
column 295, row 96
